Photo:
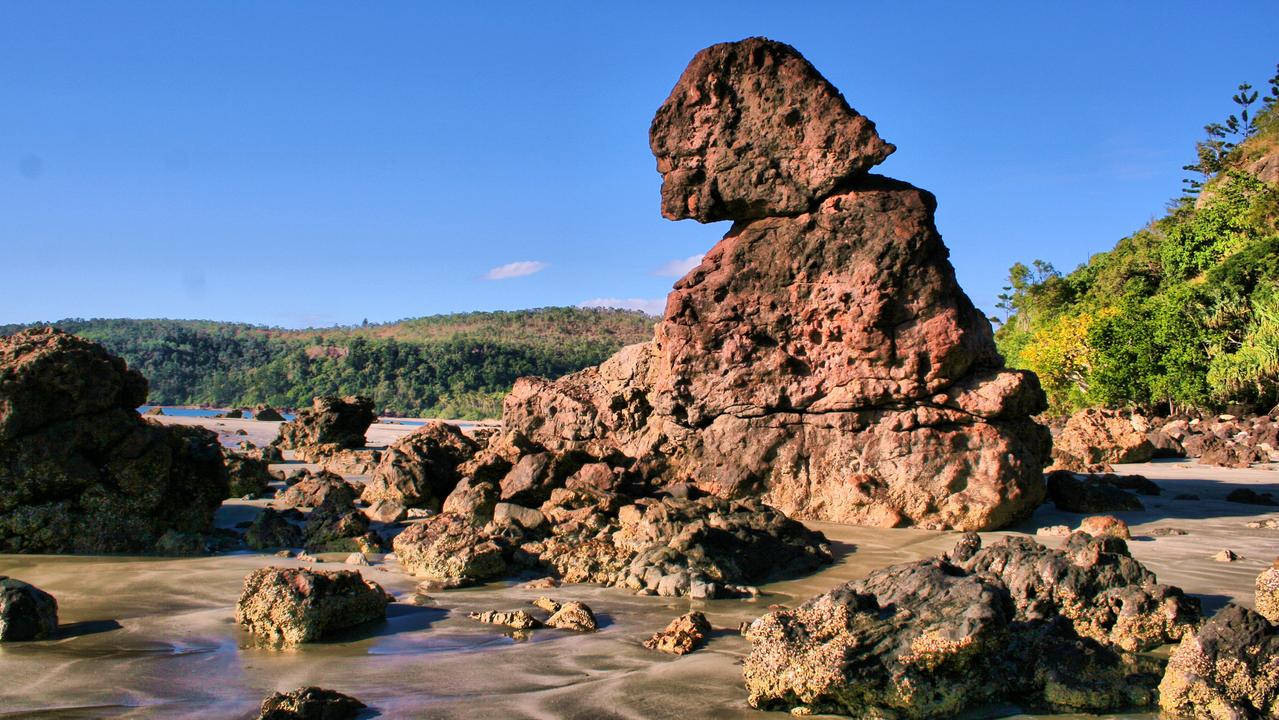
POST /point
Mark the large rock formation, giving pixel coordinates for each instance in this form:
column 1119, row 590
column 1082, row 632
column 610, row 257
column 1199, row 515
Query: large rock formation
column 289, row 606
column 331, row 423
column 1011, row 623
column 80, row 470
column 1228, row 670
column 822, row 356
column 420, row 469
column 26, row 611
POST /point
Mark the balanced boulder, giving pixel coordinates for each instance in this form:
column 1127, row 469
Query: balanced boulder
column 80, row 470
column 822, row 356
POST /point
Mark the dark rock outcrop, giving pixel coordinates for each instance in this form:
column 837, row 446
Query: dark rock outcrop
column 1089, row 494
column 80, row 470
column 1245, row 496
column 290, row 606
column 310, row 703
column 420, row 469
column 26, row 611
column 272, row 530
column 267, row 414
column 1228, row 670
column 339, row 422
column 1013, row 622
column 334, row 528
column 248, row 476
column 822, row 356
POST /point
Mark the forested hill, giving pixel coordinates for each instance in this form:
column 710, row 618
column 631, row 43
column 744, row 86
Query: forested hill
column 1183, row 313
column 457, row 366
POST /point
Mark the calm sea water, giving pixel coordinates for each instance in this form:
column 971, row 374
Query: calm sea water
column 198, row 412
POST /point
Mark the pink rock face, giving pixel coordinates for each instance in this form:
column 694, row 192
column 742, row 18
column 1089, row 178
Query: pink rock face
column 822, row 356
column 753, row 130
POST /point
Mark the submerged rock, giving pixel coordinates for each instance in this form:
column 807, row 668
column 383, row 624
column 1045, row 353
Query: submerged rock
column 1012, row 623
column 310, row 703
column 683, row 635
column 290, row 606
column 822, row 357
column 420, row 469
column 1228, row 670
column 341, row 422
column 26, row 611
column 80, row 470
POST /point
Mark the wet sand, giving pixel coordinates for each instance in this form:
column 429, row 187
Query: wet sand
column 156, row 638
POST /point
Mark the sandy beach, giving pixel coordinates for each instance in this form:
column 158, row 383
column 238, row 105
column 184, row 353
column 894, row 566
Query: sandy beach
column 156, row 637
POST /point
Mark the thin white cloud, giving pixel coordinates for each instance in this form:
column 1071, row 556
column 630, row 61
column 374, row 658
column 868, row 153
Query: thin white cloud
column 515, row 269
column 679, row 268
column 651, row 306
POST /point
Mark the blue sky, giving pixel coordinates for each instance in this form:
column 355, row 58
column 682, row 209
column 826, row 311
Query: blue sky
column 311, row 163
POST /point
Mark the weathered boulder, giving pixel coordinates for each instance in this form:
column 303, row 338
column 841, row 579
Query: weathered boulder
column 822, row 356
column 1223, row 453
column 517, row 619
column 682, row 635
column 507, row 513
column 310, row 703
column 247, row 475
column 333, row 528
column 267, row 414
column 26, row 611
column 1267, row 597
column 420, row 469
column 934, row 638
column 269, row 454
column 449, row 548
column 1228, row 670
column 337, row 459
column 80, row 470
column 271, row 530
column 1105, row 526
column 472, row 499
column 1088, row 494
column 329, row 421
column 290, row 606
column 319, row 488
column 572, row 615
column 752, row 130
column 1093, row 439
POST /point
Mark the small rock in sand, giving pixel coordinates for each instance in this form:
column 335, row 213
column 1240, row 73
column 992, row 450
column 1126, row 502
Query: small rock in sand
column 1167, row 532
column 1105, row 526
column 544, row 583
column 290, row 606
column 518, row 619
column 571, row 615
column 1267, row 524
column 683, row 635
column 1227, row 556
column 356, row 558
column 310, row 703
column 26, row 611
column 1250, row 497
column 1054, row 531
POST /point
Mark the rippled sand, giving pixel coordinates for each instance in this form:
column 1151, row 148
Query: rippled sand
column 147, row 637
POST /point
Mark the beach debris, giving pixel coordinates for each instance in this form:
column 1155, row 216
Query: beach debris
column 1093, row 439
column 1105, row 526
column 420, row 469
column 1267, row 597
column 1088, row 494
column 517, row 619
column 1227, row 669
column 289, row 606
column 1016, row 623
column 80, row 470
column 1227, row 555
column 310, row 703
column 26, row 611
column 682, row 635
column 763, row 379
column 1247, row 496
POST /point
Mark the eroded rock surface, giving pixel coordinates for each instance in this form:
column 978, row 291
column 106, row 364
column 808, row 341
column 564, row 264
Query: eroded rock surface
column 290, row 606
column 330, row 421
column 420, row 469
column 80, row 470
column 1013, row 622
column 1228, row 670
column 822, row 356
column 682, row 635
column 1094, row 439
column 310, row 703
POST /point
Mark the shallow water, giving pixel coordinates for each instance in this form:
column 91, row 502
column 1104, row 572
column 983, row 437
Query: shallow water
column 156, row 638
